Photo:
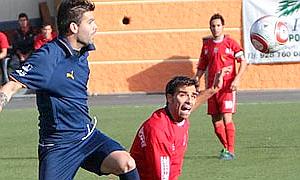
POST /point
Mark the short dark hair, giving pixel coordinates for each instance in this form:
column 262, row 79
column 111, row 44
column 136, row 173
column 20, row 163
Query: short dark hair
column 72, row 11
column 22, row 15
column 177, row 82
column 46, row 23
column 217, row 16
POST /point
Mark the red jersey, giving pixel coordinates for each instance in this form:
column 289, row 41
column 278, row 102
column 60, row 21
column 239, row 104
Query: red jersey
column 159, row 147
column 216, row 55
column 3, row 41
column 40, row 40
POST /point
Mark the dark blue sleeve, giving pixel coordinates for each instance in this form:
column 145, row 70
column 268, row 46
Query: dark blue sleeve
column 37, row 70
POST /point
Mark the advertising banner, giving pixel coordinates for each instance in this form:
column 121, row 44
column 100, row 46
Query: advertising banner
column 289, row 13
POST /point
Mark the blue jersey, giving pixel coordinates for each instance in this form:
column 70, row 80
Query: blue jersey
column 59, row 75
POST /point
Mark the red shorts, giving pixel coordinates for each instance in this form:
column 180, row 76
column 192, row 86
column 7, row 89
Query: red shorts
column 222, row 102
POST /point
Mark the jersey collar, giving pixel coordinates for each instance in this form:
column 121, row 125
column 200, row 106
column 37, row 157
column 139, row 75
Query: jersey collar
column 69, row 51
column 169, row 113
column 181, row 123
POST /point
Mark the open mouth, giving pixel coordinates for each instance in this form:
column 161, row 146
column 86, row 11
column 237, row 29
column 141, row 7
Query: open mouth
column 186, row 109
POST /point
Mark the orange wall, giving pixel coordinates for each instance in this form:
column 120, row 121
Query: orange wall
column 163, row 39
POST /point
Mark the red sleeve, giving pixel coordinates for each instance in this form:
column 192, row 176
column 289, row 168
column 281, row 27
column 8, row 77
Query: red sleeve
column 238, row 50
column 38, row 42
column 3, row 41
column 158, row 153
column 203, row 60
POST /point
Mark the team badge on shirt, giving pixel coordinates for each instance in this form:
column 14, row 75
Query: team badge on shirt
column 216, row 50
column 229, row 51
column 70, row 75
column 206, row 51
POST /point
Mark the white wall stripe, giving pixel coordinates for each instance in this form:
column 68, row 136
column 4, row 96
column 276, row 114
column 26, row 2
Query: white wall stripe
column 144, row 61
column 143, row 31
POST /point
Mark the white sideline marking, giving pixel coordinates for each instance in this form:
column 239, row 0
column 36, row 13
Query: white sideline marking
column 160, row 31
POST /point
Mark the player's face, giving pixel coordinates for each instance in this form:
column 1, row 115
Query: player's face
column 87, row 29
column 216, row 28
column 23, row 21
column 47, row 30
column 182, row 102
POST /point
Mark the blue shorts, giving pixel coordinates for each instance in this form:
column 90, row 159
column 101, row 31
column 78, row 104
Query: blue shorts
column 62, row 161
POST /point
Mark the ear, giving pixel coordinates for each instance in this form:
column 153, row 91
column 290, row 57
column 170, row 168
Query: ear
column 169, row 98
column 73, row 27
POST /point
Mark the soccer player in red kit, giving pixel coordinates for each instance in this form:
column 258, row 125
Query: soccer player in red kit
column 220, row 51
column 161, row 141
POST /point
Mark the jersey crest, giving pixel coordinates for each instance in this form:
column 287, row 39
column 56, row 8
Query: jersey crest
column 229, row 51
column 216, row 50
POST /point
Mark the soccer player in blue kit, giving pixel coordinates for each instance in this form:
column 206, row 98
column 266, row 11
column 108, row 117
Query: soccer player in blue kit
column 59, row 72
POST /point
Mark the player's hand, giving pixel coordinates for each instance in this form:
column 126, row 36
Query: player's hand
column 234, row 85
column 218, row 81
column 3, row 100
column 7, row 91
column 196, row 78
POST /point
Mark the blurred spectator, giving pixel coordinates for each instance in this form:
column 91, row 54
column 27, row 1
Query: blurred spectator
column 3, row 57
column 23, row 40
column 46, row 35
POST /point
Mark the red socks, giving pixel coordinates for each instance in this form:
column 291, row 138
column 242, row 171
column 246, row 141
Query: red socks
column 230, row 133
column 221, row 133
column 226, row 135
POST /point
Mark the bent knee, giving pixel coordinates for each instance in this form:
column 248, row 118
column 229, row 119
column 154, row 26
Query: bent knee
column 127, row 165
column 118, row 162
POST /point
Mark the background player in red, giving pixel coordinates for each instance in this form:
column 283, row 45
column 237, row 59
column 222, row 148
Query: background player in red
column 217, row 52
column 46, row 35
column 161, row 141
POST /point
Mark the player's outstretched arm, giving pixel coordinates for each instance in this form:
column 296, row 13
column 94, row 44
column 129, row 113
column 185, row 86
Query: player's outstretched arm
column 217, row 85
column 7, row 91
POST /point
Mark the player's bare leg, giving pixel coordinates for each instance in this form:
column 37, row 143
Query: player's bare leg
column 120, row 163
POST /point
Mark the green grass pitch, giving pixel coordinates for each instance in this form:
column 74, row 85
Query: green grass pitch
column 267, row 142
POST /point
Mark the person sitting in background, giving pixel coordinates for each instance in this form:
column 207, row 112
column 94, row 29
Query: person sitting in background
column 46, row 35
column 4, row 45
column 23, row 40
